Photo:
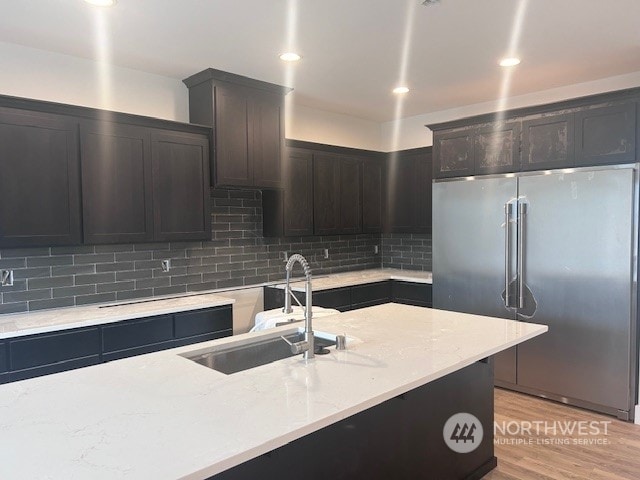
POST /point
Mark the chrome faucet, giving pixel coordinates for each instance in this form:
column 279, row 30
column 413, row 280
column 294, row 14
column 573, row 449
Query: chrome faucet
column 307, row 345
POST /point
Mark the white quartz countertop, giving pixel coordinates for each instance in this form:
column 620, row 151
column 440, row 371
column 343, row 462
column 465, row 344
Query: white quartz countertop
column 361, row 277
column 20, row 324
column 163, row 416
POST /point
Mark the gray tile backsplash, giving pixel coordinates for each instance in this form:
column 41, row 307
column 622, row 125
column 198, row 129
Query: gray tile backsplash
column 236, row 255
column 406, row 251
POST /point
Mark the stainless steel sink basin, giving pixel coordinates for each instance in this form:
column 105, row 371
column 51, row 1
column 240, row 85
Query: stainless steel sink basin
column 244, row 356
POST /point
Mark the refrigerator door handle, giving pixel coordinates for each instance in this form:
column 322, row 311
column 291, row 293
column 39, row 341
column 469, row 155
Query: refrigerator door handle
column 508, row 214
column 522, row 214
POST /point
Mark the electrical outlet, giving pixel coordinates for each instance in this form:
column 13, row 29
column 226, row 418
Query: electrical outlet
column 166, row 265
column 6, row 278
column 326, row 253
column 376, row 249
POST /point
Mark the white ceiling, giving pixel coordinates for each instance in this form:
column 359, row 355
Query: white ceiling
column 352, row 49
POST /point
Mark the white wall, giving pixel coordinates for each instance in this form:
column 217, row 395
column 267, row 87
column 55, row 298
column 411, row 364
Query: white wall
column 33, row 73
column 413, row 132
column 313, row 125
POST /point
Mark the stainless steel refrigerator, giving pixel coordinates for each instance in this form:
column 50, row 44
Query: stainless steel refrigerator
column 557, row 248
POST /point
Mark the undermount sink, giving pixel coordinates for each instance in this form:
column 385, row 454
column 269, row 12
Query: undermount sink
column 235, row 358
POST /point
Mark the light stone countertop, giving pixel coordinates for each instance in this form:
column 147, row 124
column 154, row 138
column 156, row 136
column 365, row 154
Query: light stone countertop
column 163, row 416
column 360, row 277
column 20, row 324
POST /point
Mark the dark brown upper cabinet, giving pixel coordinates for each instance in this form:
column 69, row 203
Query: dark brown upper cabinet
column 289, row 212
column 117, row 205
column 453, row 153
column 337, row 194
column 606, row 135
column 600, row 129
column 408, row 191
column 373, row 190
column 496, row 148
column 548, row 142
column 180, row 167
column 247, row 117
column 39, row 179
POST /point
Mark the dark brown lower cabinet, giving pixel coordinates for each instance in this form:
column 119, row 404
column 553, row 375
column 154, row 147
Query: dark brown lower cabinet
column 39, row 179
column 400, row 438
column 359, row 296
column 46, row 353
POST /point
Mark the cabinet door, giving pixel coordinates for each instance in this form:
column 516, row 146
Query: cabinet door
column 370, row 294
column 202, row 325
column 606, row 135
column 372, row 194
column 411, row 293
column 326, row 194
column 497, row 149
column 135, row 337
column 548, row 142
column 267, row 133
column 408, row 198
column 337, row 298
column 298, row 193
column 350, row 195
column 180, row 165
column 116, row 183
column 233, row 165
column 39, row 180
column 43, row 354
column 453, row 153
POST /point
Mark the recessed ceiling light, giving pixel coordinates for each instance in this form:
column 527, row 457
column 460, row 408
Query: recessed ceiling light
column 290, row 57
column 102, row 3
column 509, row 62
column 401, row 90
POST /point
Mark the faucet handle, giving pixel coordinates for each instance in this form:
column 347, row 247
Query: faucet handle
column 297, row 347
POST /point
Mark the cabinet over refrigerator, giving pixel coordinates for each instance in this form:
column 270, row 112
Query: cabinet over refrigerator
column 552, row 247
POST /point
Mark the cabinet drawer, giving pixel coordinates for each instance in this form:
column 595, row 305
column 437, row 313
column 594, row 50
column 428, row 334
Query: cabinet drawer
column 371, row 293
column 133, row 334
column 411, row 293
column 4, row 357
column 338, row 298
column 54, row 348
column 200, row 322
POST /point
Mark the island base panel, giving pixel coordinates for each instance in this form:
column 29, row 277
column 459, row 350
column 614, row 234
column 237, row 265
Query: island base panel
column 401, row 438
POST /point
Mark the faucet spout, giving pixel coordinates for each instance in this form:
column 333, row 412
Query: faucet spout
column 308, row 344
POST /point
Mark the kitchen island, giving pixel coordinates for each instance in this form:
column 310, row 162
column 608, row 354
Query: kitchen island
column 162, row 415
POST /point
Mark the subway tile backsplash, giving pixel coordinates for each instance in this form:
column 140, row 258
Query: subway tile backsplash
column 236, row 255
column 406, row 251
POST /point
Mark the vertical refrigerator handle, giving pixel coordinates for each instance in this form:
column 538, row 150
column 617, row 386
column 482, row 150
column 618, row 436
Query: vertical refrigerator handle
column 508, row 213
column 522, row 213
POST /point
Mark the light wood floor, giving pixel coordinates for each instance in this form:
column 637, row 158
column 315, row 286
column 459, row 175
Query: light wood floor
column 617, row 460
